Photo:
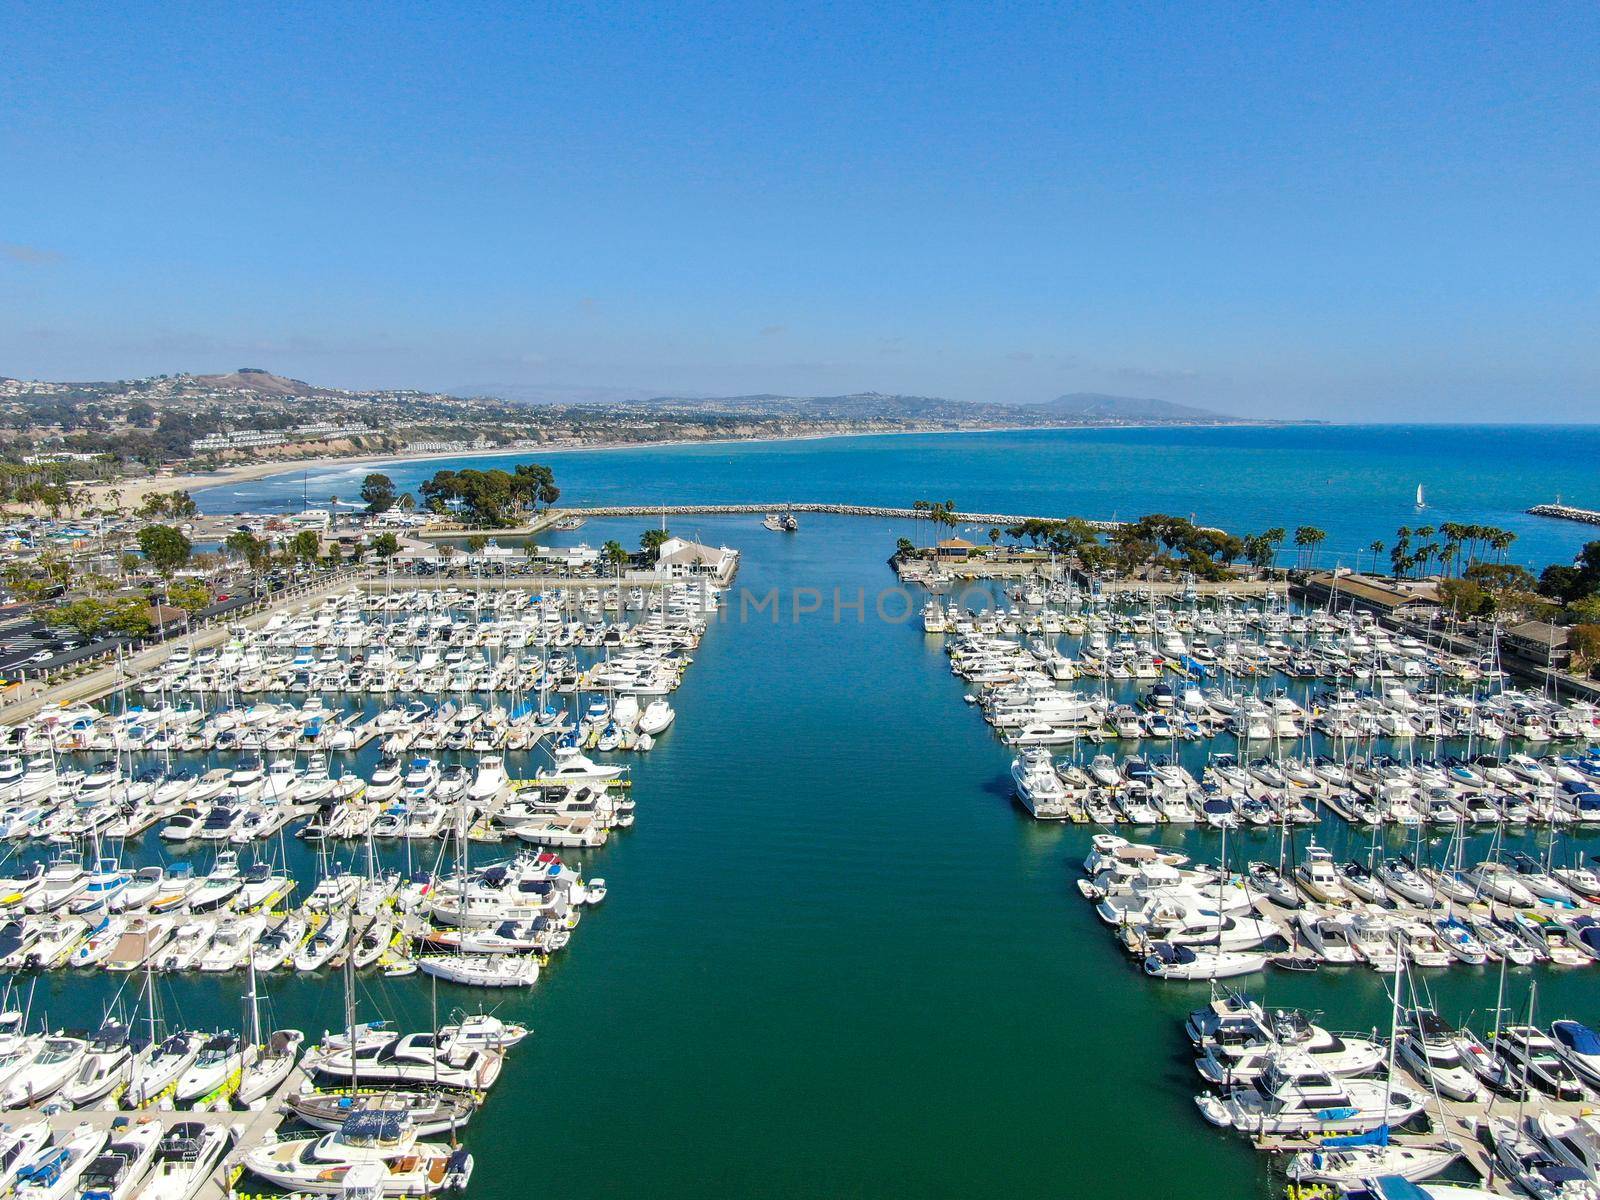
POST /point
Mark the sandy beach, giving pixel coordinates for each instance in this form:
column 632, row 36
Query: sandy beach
column 131, row 492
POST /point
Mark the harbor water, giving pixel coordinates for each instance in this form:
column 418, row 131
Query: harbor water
column 837, row 959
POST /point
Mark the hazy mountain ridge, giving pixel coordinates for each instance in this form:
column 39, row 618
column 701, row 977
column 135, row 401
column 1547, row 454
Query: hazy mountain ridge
column 1101, row 405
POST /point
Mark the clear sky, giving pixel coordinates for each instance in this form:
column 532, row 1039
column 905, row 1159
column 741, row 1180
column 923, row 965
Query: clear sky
column 1362, row 211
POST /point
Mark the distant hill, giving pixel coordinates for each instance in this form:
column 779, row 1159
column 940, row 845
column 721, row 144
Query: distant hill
column 253, row 379
column 1098, row 406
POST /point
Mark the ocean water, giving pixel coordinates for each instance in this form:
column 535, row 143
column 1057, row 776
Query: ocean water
column 837, row 961
column 1357, row 482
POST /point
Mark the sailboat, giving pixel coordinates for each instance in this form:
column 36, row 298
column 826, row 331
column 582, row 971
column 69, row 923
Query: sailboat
column 1422, row 501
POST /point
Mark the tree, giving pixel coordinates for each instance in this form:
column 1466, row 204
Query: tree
column 1376, row 546
column 650, row 542
column 477, row 542
column 534, row 484
column 305, row 546
column 1308, row 538
column 189, row 594
column 378, row 491
column 1584, row 641
column 1465, row 598
column 994, row 537
column 613, row 555
column 905, row 548
column 164, row 548
column 407, row 503
column 85, row 615
column 385, row 545
column 129, row 617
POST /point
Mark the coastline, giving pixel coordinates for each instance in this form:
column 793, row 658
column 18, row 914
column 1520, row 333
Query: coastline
column 133, row 491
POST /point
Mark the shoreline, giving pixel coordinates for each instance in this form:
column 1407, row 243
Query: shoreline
column 135, row 490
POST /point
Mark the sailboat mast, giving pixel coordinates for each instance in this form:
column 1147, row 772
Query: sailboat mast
column 350, row 1018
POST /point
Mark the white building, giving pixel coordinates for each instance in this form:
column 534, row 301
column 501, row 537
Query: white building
column 683, row 559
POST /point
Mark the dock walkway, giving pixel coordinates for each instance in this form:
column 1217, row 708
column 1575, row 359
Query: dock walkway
column 251, row 1127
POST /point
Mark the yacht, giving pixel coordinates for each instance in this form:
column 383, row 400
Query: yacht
column 1532, row 1056
column 121, row 1166
column 158, row 1066
column 414, row 1058
column 1580, row 1047
column 1430, row 1047
column 377, row 1149
column 55, row 1172
column 185, row 1159
column 1296, row 1098
column 1318, row 877
column 219, row 1058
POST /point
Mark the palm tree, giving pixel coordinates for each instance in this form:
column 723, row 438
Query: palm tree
column 1376, row 547
column 1308, row 537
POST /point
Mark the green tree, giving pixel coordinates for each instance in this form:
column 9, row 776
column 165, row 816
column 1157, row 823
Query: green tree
column 87, row 616
column 305, row 546
column 1584, row 641
column 614, row 555
column 130, row 618
column 407, row 503
column 1308, row 538
column 1376, row 546
column 905, row 548
column 191, row 595
column 477, row 542
column 378, row 491
column 650, row 542
column 164, row 548
column 385, row 545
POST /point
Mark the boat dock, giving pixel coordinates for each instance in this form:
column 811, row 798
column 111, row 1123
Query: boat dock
column 1457, row 1123
column 250, row 1127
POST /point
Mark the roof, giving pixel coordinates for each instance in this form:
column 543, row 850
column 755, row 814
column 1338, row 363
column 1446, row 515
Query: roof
column 1542, row 632
column 956, row 543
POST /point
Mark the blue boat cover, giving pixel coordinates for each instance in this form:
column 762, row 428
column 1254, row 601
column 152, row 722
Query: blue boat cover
column 1377, row 1137
column 1577, row 1037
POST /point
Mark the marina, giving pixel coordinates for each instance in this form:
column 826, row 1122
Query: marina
column 315, row 712
column 188, row 826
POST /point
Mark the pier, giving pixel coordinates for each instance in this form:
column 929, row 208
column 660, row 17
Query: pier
column 250, row 1127
column 550, row 516
column 1566, row 512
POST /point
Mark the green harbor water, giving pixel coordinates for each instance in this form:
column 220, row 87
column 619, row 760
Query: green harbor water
column 836, row 959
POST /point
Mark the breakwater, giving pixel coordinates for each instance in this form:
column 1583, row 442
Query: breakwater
column 844, row 510
column 1565, row 512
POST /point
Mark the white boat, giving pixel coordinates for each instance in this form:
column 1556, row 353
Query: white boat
column 218, row 887
column 655, row 718
column 19, row 1146
column 1349, row 1166
column 55, row 1064
column 158, row 1066
column 378, row 1151
column 274, row 1059
column 1579, row 1045
column 330, row 938
column 105, row 1065
column 54, row 1172
column 1431, row 1048
column 185, row 1159
column 482, row 970
column 1166, row 960
column 121, row 1166
column 1287, row 1098
column 386, row 1057
column 219, row 1060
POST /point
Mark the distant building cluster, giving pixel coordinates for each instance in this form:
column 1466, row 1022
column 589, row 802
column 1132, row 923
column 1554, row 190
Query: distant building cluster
column 255, row 439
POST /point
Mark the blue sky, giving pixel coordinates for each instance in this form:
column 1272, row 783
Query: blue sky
column 1351, row 211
